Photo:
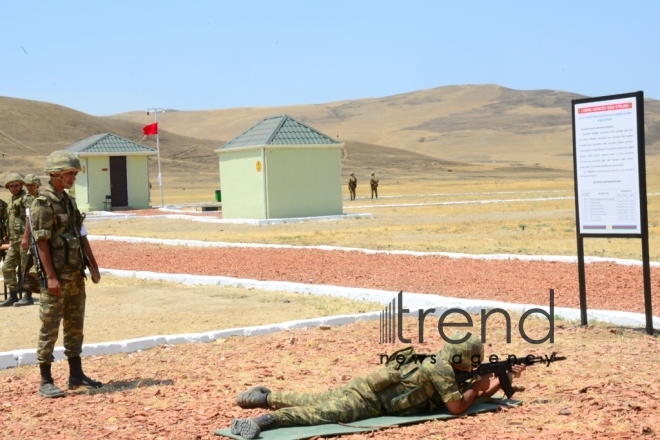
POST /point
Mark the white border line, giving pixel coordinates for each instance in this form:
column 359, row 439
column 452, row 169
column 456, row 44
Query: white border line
column 16, row 358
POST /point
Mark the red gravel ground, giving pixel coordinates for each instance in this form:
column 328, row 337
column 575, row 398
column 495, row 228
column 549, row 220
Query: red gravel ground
column 609, row 286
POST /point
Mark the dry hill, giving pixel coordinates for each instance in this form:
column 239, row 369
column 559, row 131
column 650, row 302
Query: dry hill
column 477, row 124
column 30, row 130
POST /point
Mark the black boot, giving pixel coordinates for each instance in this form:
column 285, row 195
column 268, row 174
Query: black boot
column 25, row 301
column 13, row 297
column 47, row 388
column 251, row 428
column 254, row 398
column 76, row 376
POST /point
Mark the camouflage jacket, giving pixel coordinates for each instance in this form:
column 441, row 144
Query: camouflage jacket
column 55, row 217
column 16, row 215
column 374, row 182
column 3, row 220
column 352, row 183
column 416, row 386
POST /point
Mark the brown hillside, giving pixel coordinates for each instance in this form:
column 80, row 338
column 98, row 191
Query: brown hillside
column 30, row 130
column 476, row 124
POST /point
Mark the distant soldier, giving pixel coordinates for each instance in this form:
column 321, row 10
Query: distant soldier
column 374, row 185
column 352, row 184
column 15, row 226
column 30, row 284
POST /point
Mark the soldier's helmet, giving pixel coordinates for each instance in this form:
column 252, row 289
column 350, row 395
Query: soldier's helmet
column 463, row 356
column 353, row 174
column 32, row 179
column 373, row 174
column 13, row 177
column 61, row 161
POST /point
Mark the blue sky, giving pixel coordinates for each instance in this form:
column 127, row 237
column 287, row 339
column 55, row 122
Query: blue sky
column 109, row 57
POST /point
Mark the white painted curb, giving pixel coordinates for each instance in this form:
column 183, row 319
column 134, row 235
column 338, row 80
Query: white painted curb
column 412, row 301
column 246, row 221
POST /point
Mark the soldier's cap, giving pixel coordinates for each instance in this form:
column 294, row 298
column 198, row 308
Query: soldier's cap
column 373, row 174
column 465, row 355
column 352, row 174
column 61, row 161
column 32, row 179
column 13, row 177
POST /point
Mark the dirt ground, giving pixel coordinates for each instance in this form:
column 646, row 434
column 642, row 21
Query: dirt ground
column 126, row 308
column 606, row 389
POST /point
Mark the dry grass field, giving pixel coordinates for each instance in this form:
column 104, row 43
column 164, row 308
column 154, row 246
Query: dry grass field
column 538, row 227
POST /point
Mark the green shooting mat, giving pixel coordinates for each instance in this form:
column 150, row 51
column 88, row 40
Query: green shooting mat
column 366, row 425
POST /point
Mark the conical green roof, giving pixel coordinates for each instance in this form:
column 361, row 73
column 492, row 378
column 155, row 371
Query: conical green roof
column 279, row 130
column 109, row 143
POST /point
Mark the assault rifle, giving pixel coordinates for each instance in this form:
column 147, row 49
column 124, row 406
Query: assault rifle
column 502, row 368
column 35, row 252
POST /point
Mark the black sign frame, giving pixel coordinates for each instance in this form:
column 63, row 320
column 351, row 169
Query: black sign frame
column 643, row 210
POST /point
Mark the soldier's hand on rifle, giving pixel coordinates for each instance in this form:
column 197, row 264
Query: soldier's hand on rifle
column 518, row 369
column 54, row 287
column 24, row 243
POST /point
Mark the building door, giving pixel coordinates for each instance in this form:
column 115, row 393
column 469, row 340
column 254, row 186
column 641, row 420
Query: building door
column 118, row 181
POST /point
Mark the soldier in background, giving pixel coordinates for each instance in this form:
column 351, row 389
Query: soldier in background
column 3, row 229
column 352, row 184
column 374, row 185
column 3, row 222
column 64, row 250
column 15, row 226
column 30, row 284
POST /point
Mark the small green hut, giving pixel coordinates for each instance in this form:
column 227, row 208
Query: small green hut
column 280, row 168
column 115, row 173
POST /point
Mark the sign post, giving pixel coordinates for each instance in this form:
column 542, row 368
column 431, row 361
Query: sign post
column 610, row 179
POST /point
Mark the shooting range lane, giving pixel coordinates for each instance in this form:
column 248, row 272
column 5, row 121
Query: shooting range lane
column 611, row 286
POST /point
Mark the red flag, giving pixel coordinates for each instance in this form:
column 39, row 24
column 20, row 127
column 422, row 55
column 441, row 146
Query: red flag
column 150, row 129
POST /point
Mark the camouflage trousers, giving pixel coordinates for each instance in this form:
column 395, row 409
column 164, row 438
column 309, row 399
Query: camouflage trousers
column 69, row 307
column 374, row 191
column 18, row 257
column 11, row 262
column 354, row 401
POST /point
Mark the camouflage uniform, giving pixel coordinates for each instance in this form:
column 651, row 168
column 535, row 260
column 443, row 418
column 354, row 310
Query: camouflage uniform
column 352, row 185
column 57, row 227
column 31, row 282
column 55, row 217
column 16, row 227
column 374, row 185
column 3, row 220
column 407, row 389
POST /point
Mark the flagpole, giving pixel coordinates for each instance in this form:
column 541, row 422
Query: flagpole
column 160, row 176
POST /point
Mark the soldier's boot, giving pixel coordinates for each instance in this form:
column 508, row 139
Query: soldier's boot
column 47, row 388
column 518, row 388
column 256, row 397
column 25, row 301
column 76, row 376
column 251, row 428
column 13, row 297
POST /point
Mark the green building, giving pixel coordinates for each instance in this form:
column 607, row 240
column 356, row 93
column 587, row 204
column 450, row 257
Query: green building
column 115, row 173
column 280, row 168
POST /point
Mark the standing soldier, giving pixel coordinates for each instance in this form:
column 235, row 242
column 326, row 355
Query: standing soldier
column 352, row 184
column 64, row 251
column 29, row 283
column 15, row 229
column 3, row 228
column 374, row 185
